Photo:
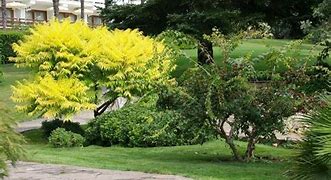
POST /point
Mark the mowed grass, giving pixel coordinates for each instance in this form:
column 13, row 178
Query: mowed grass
column 10, row 75
column 254, row 46
column 211, row 160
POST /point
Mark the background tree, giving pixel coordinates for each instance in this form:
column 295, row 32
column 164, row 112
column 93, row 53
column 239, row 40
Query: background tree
column 56, row 4
column 192, row 17
column 4, row 13
column 196, row 17
column 82, row 9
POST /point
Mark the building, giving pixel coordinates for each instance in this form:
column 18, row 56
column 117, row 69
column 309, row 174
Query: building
column 24, row 12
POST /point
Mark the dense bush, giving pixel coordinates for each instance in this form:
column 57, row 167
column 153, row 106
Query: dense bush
column 142, row 124
column 62, row 138
column 49, row 126
column 7, row 38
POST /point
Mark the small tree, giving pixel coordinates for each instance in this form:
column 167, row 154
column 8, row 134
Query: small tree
column 232, row 96
column 79, row 61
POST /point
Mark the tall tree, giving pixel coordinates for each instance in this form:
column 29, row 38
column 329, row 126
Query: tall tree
column 4, row 14
column 196, row 17
column 193, row 17
column 82, row 8
column 56, row 10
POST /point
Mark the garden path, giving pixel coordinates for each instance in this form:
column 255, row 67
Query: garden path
column 35, row 171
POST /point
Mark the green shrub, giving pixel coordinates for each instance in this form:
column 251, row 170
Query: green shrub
column 11, row 149
column 7, row 38
column 144, row 125
column 62, row 138
column 177, row 39
column 49, row 126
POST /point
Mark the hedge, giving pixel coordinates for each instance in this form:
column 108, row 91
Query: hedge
column 7, row 38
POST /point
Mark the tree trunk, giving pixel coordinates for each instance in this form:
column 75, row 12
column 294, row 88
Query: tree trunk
column 205, row 52
column 250, row 149
column 234, row 149
column 56, row 8
column 229, row 141
column 142, row 1
column 101, row 109
column 82, row 7
column 4, row 14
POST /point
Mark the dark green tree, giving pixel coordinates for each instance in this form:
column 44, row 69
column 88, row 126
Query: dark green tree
column 193, row 17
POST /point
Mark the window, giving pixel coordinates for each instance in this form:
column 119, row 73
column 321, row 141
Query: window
column 40, row 15
column 94, row 20
column 36, row 15
column 72, row 17
column 10, row 13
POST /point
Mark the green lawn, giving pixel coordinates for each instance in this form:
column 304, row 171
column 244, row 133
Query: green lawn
column 254, row 46
column 211, row 160
column 10, row 76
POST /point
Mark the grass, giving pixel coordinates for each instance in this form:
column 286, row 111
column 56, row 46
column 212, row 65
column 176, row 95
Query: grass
column 254, row 46
column 10, row 76
column 211, row 160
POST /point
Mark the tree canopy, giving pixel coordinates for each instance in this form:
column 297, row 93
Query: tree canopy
column 74, row 62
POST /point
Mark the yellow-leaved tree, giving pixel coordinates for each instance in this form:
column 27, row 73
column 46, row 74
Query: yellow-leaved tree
column 74, row 62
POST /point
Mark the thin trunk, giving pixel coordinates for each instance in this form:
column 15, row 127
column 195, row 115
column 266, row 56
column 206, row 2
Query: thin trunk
column 82, row 7
column 229, row 141
column 234, row 149
column 142, row 1
column 56, row 8
column 101, row 109
column 250, row 149
column 205, row 52
column 251, row 144
column 4, row 14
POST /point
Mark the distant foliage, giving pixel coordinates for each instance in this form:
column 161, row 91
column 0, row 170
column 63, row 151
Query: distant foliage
column 320, row 30
column 7, row 38
column 10, row 141
column 177, row 39
column 144, row 125
column 259, row 31
column 74, row 62
column 62, row 138
column 49, row 126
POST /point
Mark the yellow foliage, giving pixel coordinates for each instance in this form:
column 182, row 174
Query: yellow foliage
column 70, row 58
column 52, row 98
column 134, row 62
column 55, row 48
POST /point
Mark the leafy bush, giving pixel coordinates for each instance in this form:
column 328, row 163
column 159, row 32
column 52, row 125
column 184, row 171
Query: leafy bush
column 62, row 138
column 144, row 125
column 7, row 38
column 177, row 39
column 10, row 141
column 314, row 159
column 49, row 126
